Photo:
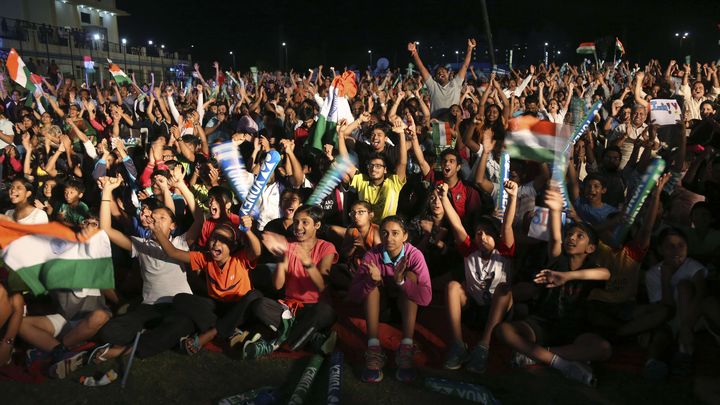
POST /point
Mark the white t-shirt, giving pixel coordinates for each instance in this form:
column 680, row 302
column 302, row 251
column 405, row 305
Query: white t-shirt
column 653, row 278
column 442, row 97
column 7, row 128
column 163, row 278
column 269, row 204
column 37, row 216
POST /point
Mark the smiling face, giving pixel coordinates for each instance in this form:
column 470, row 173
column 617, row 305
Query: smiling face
column 393, row 236
column 441, row 76
column 304, row 227
column 288, row 204
column 493, row 113
column 594, row 191
column 698, row 90
column 18, row 193
column 48, row 187
column 376, row 169
column 378, row 139
column 638, row 116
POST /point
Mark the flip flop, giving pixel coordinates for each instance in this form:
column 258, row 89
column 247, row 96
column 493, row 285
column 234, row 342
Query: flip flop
column 97, row 356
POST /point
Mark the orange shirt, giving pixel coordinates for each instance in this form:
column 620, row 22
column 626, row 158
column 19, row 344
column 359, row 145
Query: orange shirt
column 231, row 282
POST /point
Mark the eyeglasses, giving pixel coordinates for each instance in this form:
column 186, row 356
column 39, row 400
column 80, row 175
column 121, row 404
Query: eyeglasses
column 358, row 212
column 90, row 222
column 375, row 165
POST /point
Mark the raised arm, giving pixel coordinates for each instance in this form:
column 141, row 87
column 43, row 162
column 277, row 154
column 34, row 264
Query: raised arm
column 468, row 58
column 416, row 58
column 115, row 236
column 554, row 202
column 507, row 236
column 452, row 216
column 162, row 236
column 400, row 128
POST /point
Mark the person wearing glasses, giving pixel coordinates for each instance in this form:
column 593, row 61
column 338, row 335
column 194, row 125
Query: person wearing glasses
column 376, row 187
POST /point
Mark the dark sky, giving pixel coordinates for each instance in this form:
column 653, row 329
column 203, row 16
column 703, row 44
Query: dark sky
column 340, row 32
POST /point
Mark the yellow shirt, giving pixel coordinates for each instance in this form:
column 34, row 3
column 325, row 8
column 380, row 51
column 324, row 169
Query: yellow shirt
column 383, row 198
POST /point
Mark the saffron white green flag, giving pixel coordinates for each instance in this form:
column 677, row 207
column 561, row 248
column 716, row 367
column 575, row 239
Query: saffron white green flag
column 20, row 74
column 334, row 109
column 51, row 256
column 117, row 74
column 586, row 47
column 533, row 139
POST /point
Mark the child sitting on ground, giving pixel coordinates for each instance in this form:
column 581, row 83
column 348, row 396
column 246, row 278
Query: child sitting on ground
column 488, row 261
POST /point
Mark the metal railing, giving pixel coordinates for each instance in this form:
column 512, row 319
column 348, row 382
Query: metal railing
column 76, row 38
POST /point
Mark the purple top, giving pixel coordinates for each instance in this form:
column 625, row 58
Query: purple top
column 419, row 292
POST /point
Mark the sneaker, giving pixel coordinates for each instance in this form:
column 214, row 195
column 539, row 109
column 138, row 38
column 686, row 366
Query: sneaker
column 288, row 319
column 66, row 364
column 374, row 363
column 257, row 347
column 520, row 360
column 656, row 370
column 238, row 337
column 322, row 343
column 579, row 372
column 405, row 362
column 477, row 363
column 457, row 356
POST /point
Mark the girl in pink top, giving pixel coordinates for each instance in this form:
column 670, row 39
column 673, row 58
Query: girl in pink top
column 396, row 269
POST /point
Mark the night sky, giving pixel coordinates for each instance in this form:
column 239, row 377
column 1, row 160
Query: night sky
column 340, row 32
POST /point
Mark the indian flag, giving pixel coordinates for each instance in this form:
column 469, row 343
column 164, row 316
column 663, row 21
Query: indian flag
column 51, row 256
column 442, row 134
column 117, row 74
column 533, row 139
column 19, row 73
column 619, row 46
column 335, row 108
column 586, row 47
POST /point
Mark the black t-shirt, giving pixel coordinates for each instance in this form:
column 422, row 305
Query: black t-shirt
column 365, row 151
column 568, row 301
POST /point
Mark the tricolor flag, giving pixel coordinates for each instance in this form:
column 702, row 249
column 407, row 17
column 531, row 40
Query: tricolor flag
column 533, row 139
column 334, row 108
column 586, row 47
column 619, row 46
column 20, row 74
column 117, row 74
column 51, row 256
column 442, row 134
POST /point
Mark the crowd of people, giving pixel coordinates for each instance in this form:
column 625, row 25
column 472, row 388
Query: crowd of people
column 414, row 221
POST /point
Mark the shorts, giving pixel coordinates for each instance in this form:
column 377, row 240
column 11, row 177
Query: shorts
column 60, row 325
column 554, row 332
column 476, row 316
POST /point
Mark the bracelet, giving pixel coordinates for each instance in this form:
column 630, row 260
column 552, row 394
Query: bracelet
column 400, row 284
column 105, row 200
column 308, row 266
column 10, row 341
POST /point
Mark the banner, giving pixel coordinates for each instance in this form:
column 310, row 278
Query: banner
column 665, row 111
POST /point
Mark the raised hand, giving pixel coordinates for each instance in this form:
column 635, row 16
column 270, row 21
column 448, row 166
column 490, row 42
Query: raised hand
column 553, row 199
column 511, row 188
column 412, row 48
column 471, row 43
column 275, row 244
column 550, row 278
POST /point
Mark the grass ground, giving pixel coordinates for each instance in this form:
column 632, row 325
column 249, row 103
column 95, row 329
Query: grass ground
column 207, row 377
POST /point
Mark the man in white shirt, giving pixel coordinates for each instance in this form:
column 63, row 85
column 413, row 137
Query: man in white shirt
column 7, row 130
column 631, row 133
column 695, row 97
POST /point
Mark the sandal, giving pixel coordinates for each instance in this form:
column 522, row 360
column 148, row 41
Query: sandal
column 97, row 356
column 191, row 344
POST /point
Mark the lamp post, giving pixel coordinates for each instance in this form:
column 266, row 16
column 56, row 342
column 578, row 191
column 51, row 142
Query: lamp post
column 285, row 48
column 124, row 46
column 150, row 42
column 233, row 59
column 457, row 57
column 162, row 62
column 546, row 53
column 370, row 53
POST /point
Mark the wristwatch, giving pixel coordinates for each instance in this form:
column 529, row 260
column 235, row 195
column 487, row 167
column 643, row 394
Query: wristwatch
column 10, row 341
